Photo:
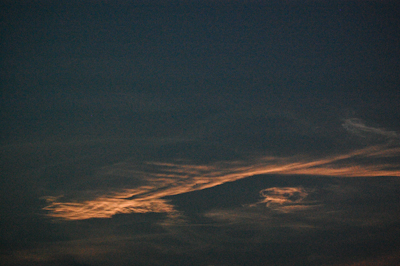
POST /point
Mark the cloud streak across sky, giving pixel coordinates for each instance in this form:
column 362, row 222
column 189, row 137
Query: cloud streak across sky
column 159, row 180
column 357, row 127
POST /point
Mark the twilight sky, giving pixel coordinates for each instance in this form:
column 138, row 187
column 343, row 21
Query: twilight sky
column 200, row 133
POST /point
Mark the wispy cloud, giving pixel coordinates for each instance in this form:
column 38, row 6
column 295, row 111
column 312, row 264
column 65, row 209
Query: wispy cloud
column 358, row 127
column 284, row 199
column 159, row 180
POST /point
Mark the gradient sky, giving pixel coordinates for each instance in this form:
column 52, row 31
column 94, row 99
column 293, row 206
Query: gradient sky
column 200, row 133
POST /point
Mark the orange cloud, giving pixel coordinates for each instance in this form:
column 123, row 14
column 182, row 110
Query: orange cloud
column 167, row 179
column 282, row 195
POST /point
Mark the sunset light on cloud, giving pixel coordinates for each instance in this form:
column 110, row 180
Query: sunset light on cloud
column 154, row 133
column 169, row 179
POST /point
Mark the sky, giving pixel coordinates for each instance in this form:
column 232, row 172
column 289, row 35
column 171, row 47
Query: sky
column 200, row 133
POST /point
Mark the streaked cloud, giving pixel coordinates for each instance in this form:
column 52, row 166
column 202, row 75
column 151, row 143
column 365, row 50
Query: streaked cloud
column 162, row 179
column 358, row 127
column 152, row 182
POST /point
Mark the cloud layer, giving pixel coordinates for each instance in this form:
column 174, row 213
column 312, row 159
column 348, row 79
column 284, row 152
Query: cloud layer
column 160, row 180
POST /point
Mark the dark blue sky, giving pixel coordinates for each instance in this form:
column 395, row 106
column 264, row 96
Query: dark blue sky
column 200, row 133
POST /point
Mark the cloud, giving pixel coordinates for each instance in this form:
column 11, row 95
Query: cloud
column 284, row 199
column 358, row 127
column 159, row 180
column 278, row 201
column 282, row 195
